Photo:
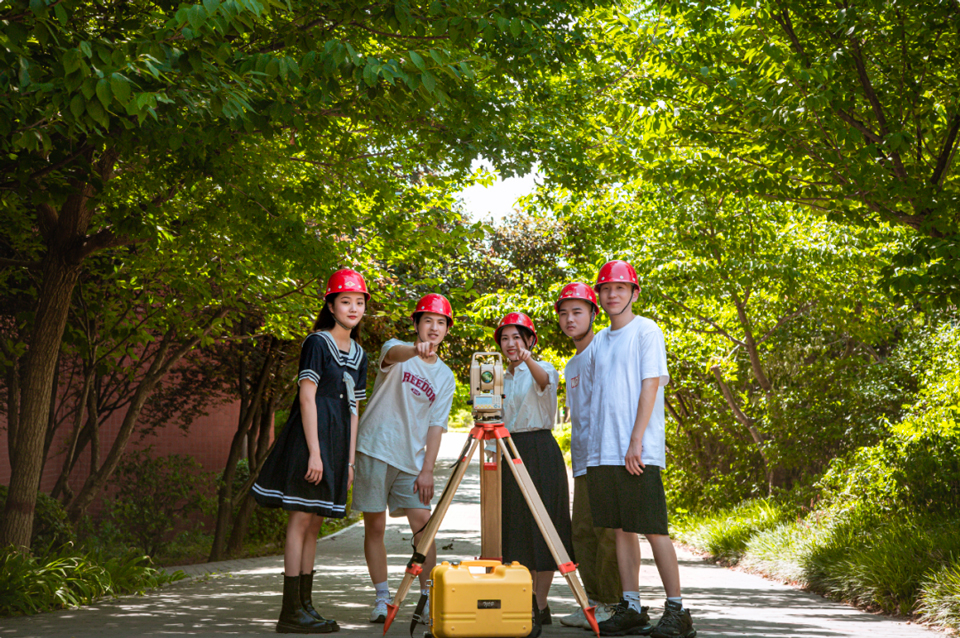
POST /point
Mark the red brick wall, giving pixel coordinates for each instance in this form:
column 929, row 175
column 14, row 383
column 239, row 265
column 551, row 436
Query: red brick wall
column 207, row 440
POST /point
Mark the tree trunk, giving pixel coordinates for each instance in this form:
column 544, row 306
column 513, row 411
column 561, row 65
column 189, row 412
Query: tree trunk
column 26, row 454
column 51, row 429
column 751, row 347
column 67, row 245
column 13, row 401
column 748, row 423
column 248, row 505
column 71, row 452
column 225, row 492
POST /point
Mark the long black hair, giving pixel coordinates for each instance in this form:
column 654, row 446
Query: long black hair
column 326, row 321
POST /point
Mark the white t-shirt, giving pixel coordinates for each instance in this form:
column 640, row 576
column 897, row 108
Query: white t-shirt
column 622, row 359
column 579, row 377
column 407, row 399
column 526, row 406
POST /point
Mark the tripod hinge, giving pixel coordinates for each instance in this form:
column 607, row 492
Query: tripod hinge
column 566, row 568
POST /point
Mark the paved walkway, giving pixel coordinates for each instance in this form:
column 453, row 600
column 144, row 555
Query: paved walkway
column 242, row 597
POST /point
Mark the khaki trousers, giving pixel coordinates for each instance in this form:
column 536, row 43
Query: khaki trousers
column 595, row 549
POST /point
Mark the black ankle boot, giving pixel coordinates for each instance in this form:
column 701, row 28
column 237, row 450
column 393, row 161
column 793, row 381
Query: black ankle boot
column 294, row 619
column 306, row 599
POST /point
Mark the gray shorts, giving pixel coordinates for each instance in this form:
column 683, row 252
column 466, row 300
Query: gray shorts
column 377, row 485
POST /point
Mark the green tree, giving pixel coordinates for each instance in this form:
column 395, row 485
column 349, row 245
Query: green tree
column 775, row 325
column 116, row 117
column 849, row 109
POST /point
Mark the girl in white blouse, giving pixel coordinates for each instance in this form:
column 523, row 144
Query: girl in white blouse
column 529, row 411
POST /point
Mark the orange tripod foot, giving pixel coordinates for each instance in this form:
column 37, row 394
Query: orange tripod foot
column 392, row 613
column 591, row 614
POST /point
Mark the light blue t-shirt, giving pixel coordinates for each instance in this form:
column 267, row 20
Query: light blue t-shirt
column 578, row 375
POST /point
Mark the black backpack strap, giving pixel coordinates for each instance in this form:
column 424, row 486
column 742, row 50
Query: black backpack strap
column 417, row 614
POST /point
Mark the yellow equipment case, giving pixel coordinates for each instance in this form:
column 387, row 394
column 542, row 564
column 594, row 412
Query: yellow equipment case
column 480, row 605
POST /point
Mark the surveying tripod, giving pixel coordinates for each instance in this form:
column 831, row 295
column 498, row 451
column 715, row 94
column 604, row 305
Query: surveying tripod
column 490, row 515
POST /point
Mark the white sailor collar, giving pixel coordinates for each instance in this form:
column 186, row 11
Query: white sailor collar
column 351, row 360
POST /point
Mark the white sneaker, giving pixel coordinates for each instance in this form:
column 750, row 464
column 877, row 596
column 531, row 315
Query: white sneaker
column 576, row 619
column 379, row 613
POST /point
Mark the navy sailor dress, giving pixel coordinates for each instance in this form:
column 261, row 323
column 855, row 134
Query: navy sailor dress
column 341, row 379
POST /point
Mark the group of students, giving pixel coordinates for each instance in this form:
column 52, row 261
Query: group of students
column 614, row 389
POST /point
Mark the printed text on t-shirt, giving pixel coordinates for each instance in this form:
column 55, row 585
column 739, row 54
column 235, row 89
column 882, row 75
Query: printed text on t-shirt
column 419, row 383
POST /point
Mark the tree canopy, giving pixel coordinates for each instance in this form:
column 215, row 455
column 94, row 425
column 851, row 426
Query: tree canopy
column 151, row 125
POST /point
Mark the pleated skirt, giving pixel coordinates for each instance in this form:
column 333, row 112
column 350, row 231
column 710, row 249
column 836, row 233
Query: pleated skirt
column 522, row 540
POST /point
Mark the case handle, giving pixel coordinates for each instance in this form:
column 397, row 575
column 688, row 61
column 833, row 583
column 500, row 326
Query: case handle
column 480, row 563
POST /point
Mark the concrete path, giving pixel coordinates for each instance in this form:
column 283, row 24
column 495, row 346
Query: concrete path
column 242, row 597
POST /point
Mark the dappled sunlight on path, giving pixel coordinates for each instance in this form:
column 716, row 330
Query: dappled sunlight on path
column 244, row 598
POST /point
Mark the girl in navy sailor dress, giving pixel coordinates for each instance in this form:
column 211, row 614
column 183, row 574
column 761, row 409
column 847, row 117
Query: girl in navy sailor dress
column 310, row 468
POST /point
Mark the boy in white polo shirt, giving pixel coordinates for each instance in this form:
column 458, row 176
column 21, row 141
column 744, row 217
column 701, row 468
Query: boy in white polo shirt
column 595, row 547
column 398, row 439
column 627, row 452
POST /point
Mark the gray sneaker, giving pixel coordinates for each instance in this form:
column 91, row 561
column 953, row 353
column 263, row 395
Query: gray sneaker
column 379, row 612
column 576, row 619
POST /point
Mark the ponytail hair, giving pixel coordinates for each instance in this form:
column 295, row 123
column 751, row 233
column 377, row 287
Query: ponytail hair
column 326, row 321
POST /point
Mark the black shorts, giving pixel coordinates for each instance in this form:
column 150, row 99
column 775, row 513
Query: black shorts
column 621, row 500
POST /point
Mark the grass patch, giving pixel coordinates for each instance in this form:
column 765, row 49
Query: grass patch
column 725, row 534
column 68, row 578
column 939, row 602
column 881, row 564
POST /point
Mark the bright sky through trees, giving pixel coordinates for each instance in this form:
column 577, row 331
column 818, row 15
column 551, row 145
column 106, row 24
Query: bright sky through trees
column 494, row 202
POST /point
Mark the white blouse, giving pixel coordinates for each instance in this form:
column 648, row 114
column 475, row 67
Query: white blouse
column 527, row 407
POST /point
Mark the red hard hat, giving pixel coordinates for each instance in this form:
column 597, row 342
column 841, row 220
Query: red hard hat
column 616, row 271
column 515, row 319
column 346, row 280
column 577, row 291
column 434, row 303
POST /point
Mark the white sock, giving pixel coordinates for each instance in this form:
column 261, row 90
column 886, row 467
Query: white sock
column 633, row 599
column 678, row 600
column 383, row 590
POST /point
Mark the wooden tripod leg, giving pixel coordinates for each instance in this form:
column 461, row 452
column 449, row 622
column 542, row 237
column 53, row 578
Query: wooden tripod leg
column 429, row 533
column 490, row 508
column 549, row 531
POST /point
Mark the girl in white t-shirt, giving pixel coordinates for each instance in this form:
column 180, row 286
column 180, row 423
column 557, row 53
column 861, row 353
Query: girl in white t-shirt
column 529, row 411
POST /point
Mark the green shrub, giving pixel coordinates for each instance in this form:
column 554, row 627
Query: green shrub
column 68, row 578
column 155, row 496
column 51, row 527
column 939, row 602
column 917, row 469
column 460, row 421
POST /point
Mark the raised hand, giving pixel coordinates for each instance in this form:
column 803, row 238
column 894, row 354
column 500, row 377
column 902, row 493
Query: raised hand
column 426, row 350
